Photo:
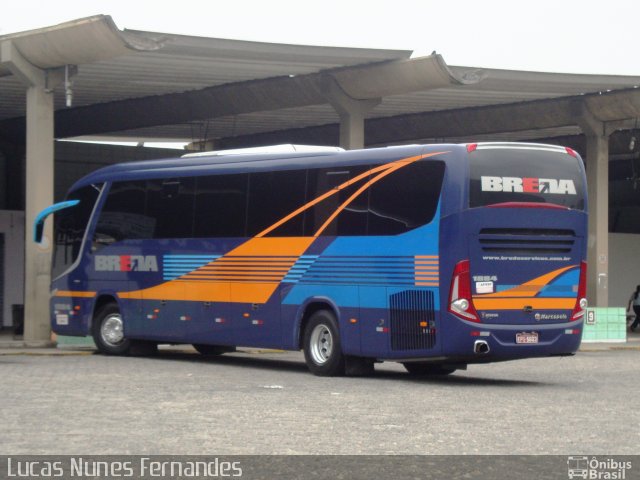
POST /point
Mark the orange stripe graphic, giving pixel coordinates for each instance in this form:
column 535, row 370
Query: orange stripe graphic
column 530, row 288
column 524, row 295
column 253, row 271
column 322, row 197
column 247, row 287
column 381, row 168
column 427, row 270
column 520, row 303
column 69, row 293
column 392, row 168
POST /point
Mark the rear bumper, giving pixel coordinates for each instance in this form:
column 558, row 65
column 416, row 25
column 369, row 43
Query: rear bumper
column 468, row 342
column 553, row 339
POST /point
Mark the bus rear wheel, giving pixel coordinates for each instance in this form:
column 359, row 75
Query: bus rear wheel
column 108, row 331
column 322, row 347
column 423, row 368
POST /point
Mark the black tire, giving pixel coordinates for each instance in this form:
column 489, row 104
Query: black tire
column 358, row 366
column 322, row 347
column 423, row 368
column 212, row 350
column 108, row 331
column 143, row 348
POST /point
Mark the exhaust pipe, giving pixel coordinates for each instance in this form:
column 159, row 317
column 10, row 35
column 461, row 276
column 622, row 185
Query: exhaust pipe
column 481, row 347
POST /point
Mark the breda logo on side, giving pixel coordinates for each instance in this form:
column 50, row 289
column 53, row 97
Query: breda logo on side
column 126, row 263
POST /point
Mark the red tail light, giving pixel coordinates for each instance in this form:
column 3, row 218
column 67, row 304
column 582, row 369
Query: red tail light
column 471, row 147
column 581, row 299
column 460, row 301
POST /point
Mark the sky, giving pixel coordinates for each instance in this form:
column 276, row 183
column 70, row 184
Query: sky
column 571, row 36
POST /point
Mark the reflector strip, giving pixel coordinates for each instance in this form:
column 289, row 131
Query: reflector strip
column 476, row 333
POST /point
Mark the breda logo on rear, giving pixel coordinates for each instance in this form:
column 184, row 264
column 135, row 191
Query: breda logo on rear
column 528, row 185
column 126, row 263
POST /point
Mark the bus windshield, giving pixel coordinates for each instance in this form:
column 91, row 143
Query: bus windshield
column 525, row 174
column 69, row 228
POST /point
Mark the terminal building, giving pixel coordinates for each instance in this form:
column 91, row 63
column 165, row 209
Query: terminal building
column 87, row 81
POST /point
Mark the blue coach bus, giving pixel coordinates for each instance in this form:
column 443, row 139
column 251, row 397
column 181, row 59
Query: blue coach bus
column 435, row 256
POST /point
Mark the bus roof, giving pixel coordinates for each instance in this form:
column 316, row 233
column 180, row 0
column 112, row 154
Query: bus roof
column 216, row 163
column 251, row 162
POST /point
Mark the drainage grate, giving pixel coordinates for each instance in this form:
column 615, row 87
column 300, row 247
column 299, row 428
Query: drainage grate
column 412, row 315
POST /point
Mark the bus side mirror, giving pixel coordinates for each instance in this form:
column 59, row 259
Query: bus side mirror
column 38, row 223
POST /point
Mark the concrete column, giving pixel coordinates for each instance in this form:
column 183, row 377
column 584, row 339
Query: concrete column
column 352, row 113
column 598, row 241
column 39, row 188
column 39, row 195
column 597, row 164
column 352, row 127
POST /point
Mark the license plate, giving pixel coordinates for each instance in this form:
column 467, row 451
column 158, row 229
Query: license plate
column 527, row 337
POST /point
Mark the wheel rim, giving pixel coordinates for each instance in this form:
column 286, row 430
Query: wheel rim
column 321, row 344
column 111, row 331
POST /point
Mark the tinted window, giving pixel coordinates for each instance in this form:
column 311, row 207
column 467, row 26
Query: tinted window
column 221, row 204
column 500, row 175
column 170, row 205
column 123, row 215
column 70, row 225
column 240, row 205
column 352, row 220
column 393, row 204
column 272, row 196
column 405, row 199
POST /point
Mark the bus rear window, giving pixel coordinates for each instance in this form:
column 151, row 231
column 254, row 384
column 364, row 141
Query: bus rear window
column 525, row 174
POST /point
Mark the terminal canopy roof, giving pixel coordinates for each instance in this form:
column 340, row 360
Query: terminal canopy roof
column 155, row 86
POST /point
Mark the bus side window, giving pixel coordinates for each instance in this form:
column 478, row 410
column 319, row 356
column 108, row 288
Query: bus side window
column 405, row 199
column 221, row 206
column 170, row 204
column 123, row 215
column 274, row 195
column 351, row 220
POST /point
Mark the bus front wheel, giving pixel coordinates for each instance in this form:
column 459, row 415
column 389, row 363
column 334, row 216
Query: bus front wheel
column 108, row 331
column 321, row 343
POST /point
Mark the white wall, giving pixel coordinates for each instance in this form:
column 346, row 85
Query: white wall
column 624, row 267
column 12, row 226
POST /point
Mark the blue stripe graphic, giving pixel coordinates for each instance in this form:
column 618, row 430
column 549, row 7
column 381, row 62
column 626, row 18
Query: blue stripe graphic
column 175, row 266
column 298, row 269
